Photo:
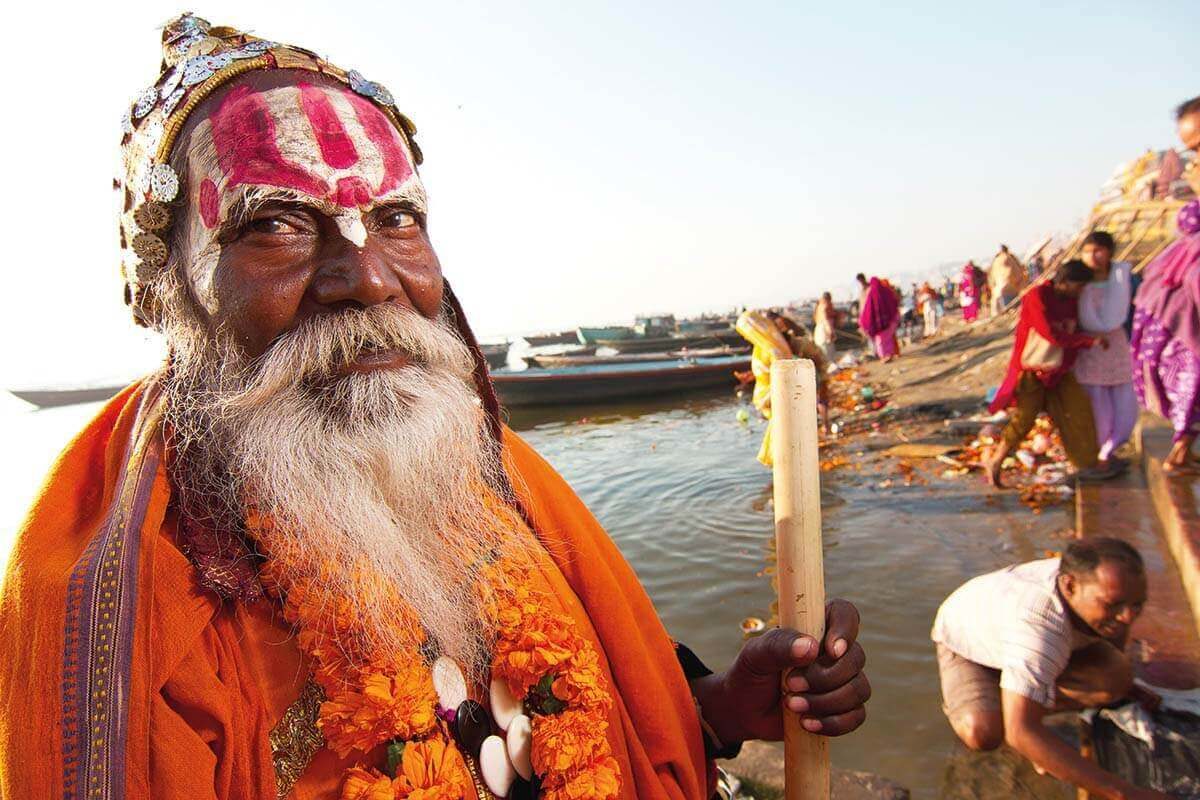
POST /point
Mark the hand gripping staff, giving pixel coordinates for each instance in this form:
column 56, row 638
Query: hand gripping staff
column 797, row 478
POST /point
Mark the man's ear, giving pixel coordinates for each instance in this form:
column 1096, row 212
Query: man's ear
column 1067, row 584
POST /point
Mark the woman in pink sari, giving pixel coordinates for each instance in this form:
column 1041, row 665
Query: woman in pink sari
column 970, row 289
column 879, row 316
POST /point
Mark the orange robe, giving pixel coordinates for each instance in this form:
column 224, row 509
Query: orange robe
column 121, row 677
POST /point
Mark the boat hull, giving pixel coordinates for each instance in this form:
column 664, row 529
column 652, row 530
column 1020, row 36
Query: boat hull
column 495, row 354
column 658, row 344
column 594, row 335
column 547, row 339
column 589, row 385
column 52, row 398
column 587, row 360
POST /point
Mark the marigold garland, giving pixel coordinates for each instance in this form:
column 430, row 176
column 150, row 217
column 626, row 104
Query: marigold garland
column 571, row 752
column 373, row 698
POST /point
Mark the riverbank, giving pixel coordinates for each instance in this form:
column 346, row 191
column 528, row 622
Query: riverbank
column 913, row 430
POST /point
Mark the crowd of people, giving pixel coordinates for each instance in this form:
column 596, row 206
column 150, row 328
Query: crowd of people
column 1023, row 642
column 1095, row 341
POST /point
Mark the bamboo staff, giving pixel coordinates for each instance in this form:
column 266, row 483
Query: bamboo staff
column 798, row 550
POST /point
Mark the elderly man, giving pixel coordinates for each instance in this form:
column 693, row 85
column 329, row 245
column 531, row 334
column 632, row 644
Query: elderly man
column 1022, row 642
column 306, row 559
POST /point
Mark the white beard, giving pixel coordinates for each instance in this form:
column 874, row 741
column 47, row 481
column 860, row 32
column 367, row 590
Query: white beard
column 374, row 482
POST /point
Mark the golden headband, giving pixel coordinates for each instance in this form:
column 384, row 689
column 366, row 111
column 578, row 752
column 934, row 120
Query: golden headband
column 198, row 58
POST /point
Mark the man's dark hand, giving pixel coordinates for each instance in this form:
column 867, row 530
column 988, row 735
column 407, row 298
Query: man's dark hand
column 825, row 684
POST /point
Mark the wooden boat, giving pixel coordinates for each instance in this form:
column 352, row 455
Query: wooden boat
column 547, row 339
column 52, row 398
column 535, row 360
column 496, row 354
column 593, row 335
column 660, row 344
column 691, row 327
column 603, row 382
column 581, row 360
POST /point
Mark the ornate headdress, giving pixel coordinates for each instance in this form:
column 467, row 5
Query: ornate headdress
column 198, row 58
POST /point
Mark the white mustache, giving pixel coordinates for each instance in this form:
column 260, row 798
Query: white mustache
column 316, row 351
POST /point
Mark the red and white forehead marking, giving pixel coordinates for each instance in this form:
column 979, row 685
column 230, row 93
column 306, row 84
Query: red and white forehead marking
column 324, row 142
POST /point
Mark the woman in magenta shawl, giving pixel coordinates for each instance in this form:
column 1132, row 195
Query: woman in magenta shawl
column 970, row 287
column 1166, row 340
column 879, row 317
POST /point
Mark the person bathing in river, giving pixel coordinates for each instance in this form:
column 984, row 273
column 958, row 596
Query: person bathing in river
column 803, row 346
column 1104, row 372
column 880, row 316
column 769, row 333
column 1032, row 639
column 1039, row 373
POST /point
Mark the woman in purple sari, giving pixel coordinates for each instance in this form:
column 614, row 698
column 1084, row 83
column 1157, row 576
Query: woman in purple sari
column 1166, row 340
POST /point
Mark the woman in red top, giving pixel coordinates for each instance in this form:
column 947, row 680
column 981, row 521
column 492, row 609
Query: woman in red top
column 1039, row 373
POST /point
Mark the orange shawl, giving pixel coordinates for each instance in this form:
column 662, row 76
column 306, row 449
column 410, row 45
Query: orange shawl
column 118, row 673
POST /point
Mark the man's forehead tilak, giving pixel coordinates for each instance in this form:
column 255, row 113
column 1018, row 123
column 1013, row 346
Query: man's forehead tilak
column 326, row 146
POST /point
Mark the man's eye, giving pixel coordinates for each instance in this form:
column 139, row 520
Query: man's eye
column 398, row 219
column 269, row 225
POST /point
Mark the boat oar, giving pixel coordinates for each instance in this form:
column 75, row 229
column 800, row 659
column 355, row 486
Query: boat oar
column 801, row 574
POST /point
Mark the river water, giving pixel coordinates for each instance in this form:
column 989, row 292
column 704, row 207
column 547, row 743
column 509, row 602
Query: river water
column 676, row 485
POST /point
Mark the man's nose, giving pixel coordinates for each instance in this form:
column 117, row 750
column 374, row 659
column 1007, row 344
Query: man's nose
column 356, row 276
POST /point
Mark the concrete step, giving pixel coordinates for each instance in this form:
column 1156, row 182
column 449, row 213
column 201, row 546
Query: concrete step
column 1176, row 500
column 1166, row 637
column 761, row 765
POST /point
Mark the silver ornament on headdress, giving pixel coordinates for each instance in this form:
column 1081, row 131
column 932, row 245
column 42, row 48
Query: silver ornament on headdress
column 127, row 121
column 153, row 134
column 171, row 83
column 145, row 102
column 252, row 49
column 370, row 89
column 172, row 101
column 201, row 68
column 383, row 95
column 164, row 183
column 184, row 45
column 185, row 25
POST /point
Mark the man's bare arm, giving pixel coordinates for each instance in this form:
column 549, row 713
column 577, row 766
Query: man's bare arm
column 1025, row 733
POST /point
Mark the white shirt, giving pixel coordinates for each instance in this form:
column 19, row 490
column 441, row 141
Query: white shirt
column 1013, row 620
column 1104, row 305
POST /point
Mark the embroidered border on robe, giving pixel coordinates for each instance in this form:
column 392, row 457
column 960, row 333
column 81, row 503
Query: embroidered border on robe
column 296, row 738
column 98, row 648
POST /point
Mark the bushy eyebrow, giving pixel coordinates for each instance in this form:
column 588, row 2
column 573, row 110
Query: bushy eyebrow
column 251, row 199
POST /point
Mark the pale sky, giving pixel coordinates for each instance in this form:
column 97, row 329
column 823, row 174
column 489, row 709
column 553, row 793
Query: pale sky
column 586, row 162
